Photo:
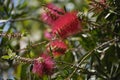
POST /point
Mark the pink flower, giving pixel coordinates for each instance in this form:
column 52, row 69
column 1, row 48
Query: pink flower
column 52, row 13
column 67, row 25
column 44, row 65
column 58, row 47
column 47, row 35
column 103, row 1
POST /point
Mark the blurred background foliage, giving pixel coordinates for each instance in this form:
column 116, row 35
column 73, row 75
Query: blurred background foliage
column 93, row 54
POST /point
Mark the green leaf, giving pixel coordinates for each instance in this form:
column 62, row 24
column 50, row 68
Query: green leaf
column 9, row 51
column 11, row 54
column 6, row 57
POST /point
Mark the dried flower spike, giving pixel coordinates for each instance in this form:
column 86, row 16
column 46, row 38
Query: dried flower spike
column 67, row 25
column 11, row 35
column 23, row 59
column 51, row 13
column 58, row 47
column 98, row 6
column 44, row 65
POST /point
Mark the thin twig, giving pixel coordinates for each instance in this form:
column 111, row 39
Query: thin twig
column 33, row 45
column 23, row 19
column 88, row 54
column 82, row 70
column 20, row 19
column 72, row 65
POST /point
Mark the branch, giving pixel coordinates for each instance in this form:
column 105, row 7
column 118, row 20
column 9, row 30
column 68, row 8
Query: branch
column 20, row 19
column 33, row 45
column 23, row 19
column 82, row 70
column 88, row 54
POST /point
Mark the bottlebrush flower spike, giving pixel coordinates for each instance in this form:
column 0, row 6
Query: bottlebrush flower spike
column 44, row 65
column 58, row 47
column 51, row 13
column 67, row 25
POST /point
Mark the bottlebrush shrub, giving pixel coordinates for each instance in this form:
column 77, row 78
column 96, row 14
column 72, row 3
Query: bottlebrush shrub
column 44, row 65
column 67, row 25
column 51, row 13
column 58, row 47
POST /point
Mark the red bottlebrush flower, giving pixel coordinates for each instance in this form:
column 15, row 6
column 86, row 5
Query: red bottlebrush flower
column 52, row 13
column 57, row 47
column 67, row 25
column 43, row 65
